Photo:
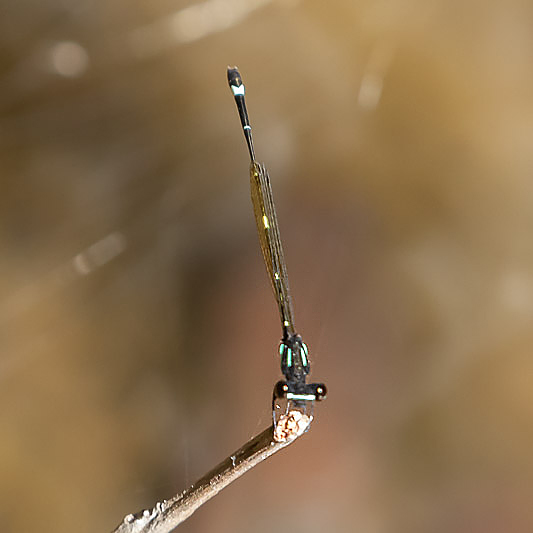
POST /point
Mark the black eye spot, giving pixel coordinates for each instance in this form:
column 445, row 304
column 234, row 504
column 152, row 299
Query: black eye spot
column 280, row 390
column 321, row 392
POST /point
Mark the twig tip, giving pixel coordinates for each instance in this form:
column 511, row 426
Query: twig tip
column 291, row 426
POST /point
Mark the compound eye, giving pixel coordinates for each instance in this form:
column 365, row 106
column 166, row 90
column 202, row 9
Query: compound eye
column 280, row 389
column 321, row 392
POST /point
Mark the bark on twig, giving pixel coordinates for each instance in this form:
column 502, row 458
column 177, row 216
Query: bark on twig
column 167, row 515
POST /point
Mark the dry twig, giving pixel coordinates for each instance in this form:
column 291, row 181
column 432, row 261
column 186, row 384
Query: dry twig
column 167, row 515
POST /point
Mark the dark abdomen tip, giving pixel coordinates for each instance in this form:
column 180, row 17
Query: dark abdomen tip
column 234, row 77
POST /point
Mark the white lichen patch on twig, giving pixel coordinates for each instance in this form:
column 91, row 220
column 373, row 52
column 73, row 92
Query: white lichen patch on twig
column 291, row 426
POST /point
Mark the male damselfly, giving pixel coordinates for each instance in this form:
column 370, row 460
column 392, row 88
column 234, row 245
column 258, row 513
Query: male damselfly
column 293, row 351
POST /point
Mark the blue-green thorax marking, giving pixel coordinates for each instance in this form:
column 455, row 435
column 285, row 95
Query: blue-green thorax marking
column 294, row 359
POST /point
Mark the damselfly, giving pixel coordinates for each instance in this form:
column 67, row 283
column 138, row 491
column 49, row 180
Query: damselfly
column 293, row 351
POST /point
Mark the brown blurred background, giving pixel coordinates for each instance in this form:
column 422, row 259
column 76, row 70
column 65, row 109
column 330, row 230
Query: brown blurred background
column 138, row 331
